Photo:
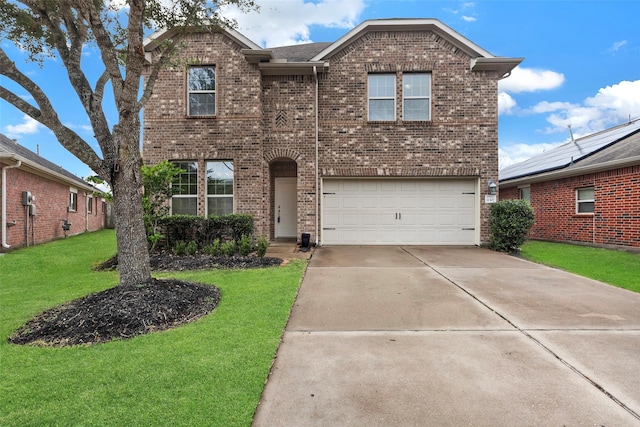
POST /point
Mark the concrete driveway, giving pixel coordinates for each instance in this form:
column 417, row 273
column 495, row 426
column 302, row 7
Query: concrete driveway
column 413, row 336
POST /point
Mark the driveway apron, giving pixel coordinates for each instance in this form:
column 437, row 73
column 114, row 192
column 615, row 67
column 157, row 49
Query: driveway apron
column 452, row 336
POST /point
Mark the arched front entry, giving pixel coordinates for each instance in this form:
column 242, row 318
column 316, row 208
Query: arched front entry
column 284, row 185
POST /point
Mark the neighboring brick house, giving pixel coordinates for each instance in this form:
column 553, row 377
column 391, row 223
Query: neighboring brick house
column 56, row 196
column 395, row 125
column 587, row 190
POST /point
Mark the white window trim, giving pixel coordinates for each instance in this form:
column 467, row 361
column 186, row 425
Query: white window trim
column 394, row 97
column 185, row 196
column 579, row 201
column 73, row 190
column 89, row 204
column 214, row 92
column 232, row 195
column 428, row 98
column 520, row 188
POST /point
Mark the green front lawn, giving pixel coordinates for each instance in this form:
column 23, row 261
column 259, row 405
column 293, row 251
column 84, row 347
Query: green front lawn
column 617, row 268
column 209, row 372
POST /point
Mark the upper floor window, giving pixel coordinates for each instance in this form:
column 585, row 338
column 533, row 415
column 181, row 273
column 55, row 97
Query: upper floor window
column 416, row 91
column 382, row 97
column 202, row 91
column 219, row 187
column 73, row 199
column 185, row 201
column 585, row 201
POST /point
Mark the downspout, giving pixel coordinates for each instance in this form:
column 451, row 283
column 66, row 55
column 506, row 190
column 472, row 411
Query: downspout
column 315, row 75
column 4, row 202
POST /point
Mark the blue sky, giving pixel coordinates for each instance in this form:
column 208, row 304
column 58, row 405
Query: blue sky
column 581, row 67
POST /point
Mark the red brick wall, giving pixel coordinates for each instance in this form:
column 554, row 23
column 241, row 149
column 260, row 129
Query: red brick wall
column 234, row 134
column 264, row 119
column 51, row 201
column 616, row 220
column 460, row 139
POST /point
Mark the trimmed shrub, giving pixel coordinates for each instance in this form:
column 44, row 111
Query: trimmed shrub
column 213, row 249
column 261, row 246
column 205, row 230
column 228, row 248
column 246, row 245
column 192, row 247
column 510, row 221
column 180, row 248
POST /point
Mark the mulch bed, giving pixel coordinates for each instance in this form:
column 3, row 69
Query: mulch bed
column 126, row 311
column 119, row 313
column 168, row 261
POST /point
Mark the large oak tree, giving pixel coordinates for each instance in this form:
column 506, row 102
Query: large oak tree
column 65, row 28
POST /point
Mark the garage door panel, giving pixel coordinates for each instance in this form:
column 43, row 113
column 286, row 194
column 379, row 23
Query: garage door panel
column 388, row 202
column 332, row 202
column 352, row 186
column 399, row 211
column 408, row 202
column 350, row 203
column 368, row 202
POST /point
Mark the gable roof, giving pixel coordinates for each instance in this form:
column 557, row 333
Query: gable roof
column 12, row 151
column 310, row 58
column 157, row 38
column 481, row 60
column 601, row 150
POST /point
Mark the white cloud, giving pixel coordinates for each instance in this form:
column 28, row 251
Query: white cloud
column 86, row 129
column 548, row 107
column 27, row 127
column 469, row 18
column 617, row 45
column 525, row 80
column 620, row 99
column 517, row 153
column 506, row 103
column 531, row 80
column 610, row 106
column 287, row 22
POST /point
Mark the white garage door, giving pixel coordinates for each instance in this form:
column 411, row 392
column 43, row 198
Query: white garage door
column 399, row 211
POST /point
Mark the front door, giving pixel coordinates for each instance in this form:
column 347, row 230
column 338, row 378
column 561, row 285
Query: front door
column 286, row 212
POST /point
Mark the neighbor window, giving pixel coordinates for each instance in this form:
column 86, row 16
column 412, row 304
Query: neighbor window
column 185, row 201
column 89, row 204
column 416, row 92
column 585, row 200
column 525, row 193
column 382, row 97
column 202, row 91
column 73, row 199
column 219, row 187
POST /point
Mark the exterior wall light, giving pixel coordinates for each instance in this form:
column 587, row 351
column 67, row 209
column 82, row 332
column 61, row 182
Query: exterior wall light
column 493, row 188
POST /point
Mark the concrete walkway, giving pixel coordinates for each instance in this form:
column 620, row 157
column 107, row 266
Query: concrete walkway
column 414, row 336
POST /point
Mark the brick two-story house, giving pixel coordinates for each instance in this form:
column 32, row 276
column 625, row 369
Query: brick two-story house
column 38, row 197
column 385, row 136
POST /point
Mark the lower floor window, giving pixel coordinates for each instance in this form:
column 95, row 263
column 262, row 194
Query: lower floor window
column 219, row 187
column 73, row 200
column 585, row 200
column 185, row 201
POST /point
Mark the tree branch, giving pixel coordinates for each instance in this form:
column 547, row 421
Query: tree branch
column 46, row 114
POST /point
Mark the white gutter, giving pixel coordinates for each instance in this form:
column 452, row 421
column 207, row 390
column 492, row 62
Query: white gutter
column 315, row 74
column 4, row 202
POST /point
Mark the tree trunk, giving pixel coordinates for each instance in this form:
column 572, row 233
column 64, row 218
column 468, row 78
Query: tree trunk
column 126, row 183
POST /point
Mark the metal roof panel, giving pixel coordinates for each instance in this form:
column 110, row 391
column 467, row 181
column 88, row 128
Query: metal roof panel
column 570, row 152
